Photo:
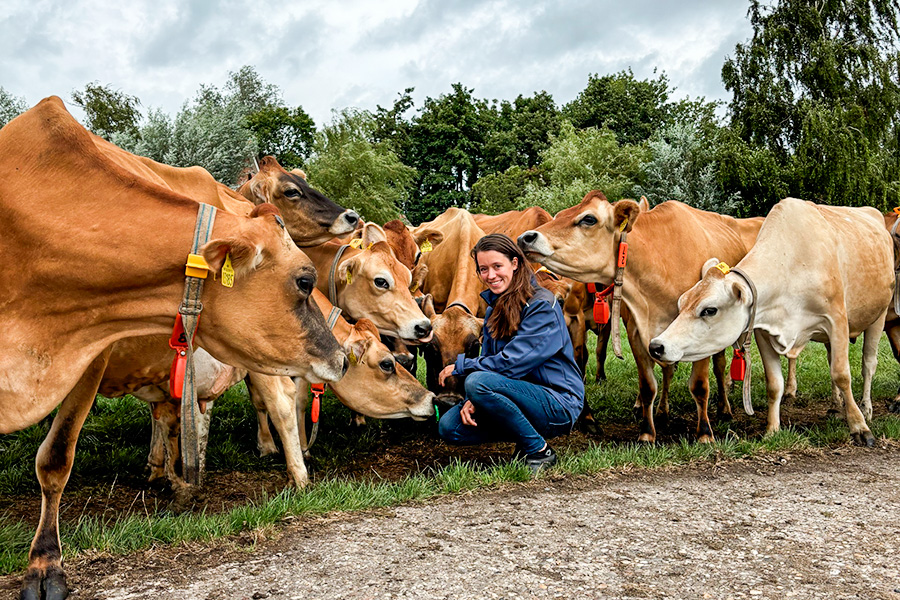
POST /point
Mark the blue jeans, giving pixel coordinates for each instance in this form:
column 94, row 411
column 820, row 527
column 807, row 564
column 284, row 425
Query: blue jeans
column 506, row 410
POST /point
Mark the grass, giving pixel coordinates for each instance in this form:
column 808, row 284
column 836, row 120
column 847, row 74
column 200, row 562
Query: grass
column 113, row 448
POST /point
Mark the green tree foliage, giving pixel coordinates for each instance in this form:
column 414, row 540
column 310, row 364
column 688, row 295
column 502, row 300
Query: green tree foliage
column 246, row 88
column 683, row 167
column 522, row 131
column 10, row 106
column 816, row 99
column 500, row 192
column 630, row 108
column 357, row 173
column 108, row 111
column 579, row 161
column 288, row 134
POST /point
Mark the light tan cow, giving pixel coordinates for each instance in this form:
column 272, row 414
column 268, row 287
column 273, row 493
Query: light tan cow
column 91, row 254
column 667, row 247
column 818, row 273
column 371, row 284
column 311, row 218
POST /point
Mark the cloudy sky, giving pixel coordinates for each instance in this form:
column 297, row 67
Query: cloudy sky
column 328, row 55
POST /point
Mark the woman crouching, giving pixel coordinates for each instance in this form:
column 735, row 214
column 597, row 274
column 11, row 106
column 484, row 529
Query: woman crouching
column 526, row 385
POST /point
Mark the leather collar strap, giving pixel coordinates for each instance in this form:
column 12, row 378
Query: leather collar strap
column 190, row 314
column 743, row 341
column 332, row 284
column 896, row 269
column 461, row 305
column 616, row 304
column 318, row 390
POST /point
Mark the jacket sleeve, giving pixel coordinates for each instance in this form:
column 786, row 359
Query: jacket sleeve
column 538, row 338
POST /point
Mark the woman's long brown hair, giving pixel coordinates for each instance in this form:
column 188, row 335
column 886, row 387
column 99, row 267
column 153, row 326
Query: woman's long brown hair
column 504, row 320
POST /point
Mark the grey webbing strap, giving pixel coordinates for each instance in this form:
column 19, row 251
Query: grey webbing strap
column 332, row 284
column 461, row 305
column 616, row 304
column 896, row 269
column 744, row 341
column 301, row 409
column 190, row 313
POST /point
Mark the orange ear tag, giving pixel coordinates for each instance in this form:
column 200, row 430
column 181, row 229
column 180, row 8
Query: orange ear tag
column 738, row 366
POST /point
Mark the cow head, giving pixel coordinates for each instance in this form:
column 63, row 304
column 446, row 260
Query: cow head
column 374, row 385
column 407, row 246
column 373, row 285
column 581, row 242
column 266, row 323
column 311, row 218
column 456, row 332
column 711, row 316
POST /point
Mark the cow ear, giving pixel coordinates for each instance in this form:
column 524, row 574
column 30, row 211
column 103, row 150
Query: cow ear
column 428, row 235
column 625, row 214
column 711, row 263
column 428, row 306
column 259, row 189
column 245, row 255
column 372, row 233
column 358, row 343
column 741, row 292
column 299, row 173
column 419, row 273
column 644, row 204
column 347, row 270
column 480, row 323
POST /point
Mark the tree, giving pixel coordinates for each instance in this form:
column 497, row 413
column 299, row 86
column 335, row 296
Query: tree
column 10, row 106
column 818, row 88
column 500, row 192
column 630, row 108
column 355, row 172
column 579, row 161
column 246, row 88
column 108, row 111
column 522, row 131
column 286, row 133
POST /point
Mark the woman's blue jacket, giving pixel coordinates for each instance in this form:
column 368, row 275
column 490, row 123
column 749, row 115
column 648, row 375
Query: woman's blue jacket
column 540, row 352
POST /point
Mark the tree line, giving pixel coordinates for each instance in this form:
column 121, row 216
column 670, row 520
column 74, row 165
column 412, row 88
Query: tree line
column 815, row 113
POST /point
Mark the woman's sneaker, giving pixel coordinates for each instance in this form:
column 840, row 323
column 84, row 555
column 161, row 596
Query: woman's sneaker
column 540, row 460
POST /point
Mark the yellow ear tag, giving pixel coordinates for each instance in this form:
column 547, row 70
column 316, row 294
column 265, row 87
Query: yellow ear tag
column 724, row 268
column 228, row 272
column 356, row 243
column 352, row 357
column 414, row 288
column 426, row 246
column 623, row 225
column 349, row 277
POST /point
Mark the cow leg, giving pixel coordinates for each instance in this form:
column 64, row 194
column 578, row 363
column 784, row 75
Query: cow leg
column 301, row 401
column 837, row 401
column 892, row 329
column 646, row 387
column 277, row 397
column 870, row 362
column 264, row 440
column 44, row 578
column 790, row 390
column 603, row 332
column 840, row 376
column 699, row 385
column 662, row 407
column 720, row 371
column 774, row 380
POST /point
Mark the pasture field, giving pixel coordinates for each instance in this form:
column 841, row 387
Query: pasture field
column 109, row 506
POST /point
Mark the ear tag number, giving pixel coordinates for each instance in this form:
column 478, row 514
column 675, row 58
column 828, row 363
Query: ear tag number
column 228, row 272
column 725, row 270
column 426, row 246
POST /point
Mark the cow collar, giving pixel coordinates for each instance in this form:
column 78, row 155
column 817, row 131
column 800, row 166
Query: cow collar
column 742, row 344
column 896, row 268
column 616, row 289
column 317, row 390
column 332, row 283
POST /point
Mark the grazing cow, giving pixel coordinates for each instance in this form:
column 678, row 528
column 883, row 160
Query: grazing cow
column 311, row 218
column 371, row 284
column 666, row 250
column 454, row 287
column 817, row 273
column 91, row 254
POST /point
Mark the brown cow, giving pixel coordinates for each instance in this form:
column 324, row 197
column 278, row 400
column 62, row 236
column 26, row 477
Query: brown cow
column 306, row 210
column 666, row 250
column 91, row 254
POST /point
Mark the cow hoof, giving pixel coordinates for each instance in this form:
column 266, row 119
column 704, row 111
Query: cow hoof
column 894, row 406
column 706, row 439
column 589, row 425
column 724, row 417
column 864, row 438
column 662, row 421
column 599, row 377
column 646, row 439
column 51, row 585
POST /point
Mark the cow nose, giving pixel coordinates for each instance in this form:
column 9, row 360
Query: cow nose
column 529, row 237
column 656, row 350
column 344, row 366
column 422, row 329
column 351, row 217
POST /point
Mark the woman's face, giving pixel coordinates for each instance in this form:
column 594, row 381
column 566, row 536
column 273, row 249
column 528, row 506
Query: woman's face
column 496, row 270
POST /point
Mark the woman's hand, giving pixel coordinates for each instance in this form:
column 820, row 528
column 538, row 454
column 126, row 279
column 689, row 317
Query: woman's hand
column 466, row 412
column 444, row 374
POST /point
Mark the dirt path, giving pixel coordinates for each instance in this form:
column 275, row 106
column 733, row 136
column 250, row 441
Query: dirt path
column 818, row 525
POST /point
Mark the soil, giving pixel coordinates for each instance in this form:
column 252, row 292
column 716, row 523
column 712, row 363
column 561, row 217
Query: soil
column 812, row 524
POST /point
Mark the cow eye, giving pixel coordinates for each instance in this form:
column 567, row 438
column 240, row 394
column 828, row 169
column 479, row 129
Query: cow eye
column 709, row 311
column 387, row 365
column 381, row 282
column 588, row 221
column 305, row 283
column 292, row 193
